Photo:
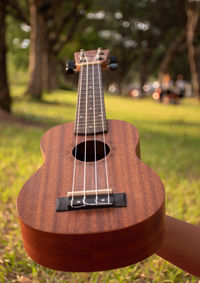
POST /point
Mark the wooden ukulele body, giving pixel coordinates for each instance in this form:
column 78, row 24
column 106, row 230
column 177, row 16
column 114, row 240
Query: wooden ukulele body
column 92, row 239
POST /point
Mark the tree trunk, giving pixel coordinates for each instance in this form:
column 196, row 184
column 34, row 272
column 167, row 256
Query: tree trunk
column 5, row 99
column 192, row 11
column 38, row 56
column 52, row 72
column 171, row 54
column 143, row 75
column 144, row 69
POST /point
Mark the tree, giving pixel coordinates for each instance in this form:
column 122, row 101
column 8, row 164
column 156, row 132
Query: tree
column 141, row 34
column 177, row 46
column 193, row 16
column 5, row 99
column 53, row 24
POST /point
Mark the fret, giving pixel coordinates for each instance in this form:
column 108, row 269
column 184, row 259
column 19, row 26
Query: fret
column 87, row 90
column 90, row 119
column 97, row 112
column 80, row 127
column 91, row 79
column 90, row 107
column 91, row 123
column 95, row 92
column 91, row 101
column 82, row 107
column 83, row 128
column 90, row 96
column 91, row 83
column 99, row 123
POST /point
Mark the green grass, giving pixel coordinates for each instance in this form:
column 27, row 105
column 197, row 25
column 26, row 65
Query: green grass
column 170, row 144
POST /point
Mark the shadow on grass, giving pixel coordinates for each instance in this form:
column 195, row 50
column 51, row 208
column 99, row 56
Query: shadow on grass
column 37, row 120
column 167, row 123
column 45, row 102
column 174, row 123
column 30, row 120
column 54, row 102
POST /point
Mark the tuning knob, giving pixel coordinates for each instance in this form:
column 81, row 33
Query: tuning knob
column 70, row 66
column 113, row 66
column 100, row 51
column 113, row 59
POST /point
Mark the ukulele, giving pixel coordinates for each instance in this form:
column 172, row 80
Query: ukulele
column 93, row 205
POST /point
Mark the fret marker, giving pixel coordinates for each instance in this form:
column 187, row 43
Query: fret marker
column 90, row 86
column 90, row 108
column 90, row 126
column 90, row 95
column 81, row 116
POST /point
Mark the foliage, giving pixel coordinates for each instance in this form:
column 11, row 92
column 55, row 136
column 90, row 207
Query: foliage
column 170, row 142
column 15, row 40
column 138, row 32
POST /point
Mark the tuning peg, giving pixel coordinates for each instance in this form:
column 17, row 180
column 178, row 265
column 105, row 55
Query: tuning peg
column 113, row 66
column 99, row 58
column 70, row 66
column 113, row 59
column 100, row 51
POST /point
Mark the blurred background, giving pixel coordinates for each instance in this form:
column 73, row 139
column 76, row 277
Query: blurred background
column 156, row 88
column 151, row 39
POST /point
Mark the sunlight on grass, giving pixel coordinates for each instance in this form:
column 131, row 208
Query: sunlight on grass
column 170, row 144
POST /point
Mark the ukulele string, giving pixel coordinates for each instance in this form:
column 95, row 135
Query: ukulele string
column 77, row 128
column 85, row 147
column 104, row 142
column 95, row 164
column 95, row 144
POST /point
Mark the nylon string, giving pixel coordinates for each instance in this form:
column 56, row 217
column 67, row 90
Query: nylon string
column 85, row 148
column 106, row 169
column 77, row 123
column 95, row 149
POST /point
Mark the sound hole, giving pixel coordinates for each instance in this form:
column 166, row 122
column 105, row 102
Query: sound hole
column 90, row 154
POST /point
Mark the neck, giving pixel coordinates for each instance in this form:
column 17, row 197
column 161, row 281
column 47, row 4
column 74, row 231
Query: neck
column 90, row 112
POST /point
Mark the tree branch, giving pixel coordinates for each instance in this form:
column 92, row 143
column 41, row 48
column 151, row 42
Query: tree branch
column 68, row 37
column 76, row 18
column 17, row 11
column 68, row 17
column 172, row 52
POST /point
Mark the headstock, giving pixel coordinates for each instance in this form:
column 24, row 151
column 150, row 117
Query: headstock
column 99, row 56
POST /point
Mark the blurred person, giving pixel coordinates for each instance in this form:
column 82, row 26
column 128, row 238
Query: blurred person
column 166, row 86
column 180, row 85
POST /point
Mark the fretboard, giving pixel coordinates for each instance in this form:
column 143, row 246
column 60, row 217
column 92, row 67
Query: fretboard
column 90, row 111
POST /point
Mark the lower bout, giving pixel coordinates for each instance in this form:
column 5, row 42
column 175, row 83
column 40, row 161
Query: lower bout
column 87, row 253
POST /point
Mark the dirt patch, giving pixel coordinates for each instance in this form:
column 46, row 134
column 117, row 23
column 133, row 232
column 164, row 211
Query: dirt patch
column 7, row 118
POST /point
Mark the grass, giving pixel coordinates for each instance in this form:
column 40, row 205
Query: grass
column 170, row 144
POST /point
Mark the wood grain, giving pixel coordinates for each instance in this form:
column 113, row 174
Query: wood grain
column 96, row 239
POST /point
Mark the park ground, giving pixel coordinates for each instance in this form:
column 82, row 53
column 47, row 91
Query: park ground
column 170, row 144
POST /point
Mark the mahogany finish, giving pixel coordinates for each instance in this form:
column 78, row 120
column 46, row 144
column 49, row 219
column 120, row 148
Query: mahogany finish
column 93, row 239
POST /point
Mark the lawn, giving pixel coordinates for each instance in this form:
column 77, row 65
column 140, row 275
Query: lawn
column 170, row 144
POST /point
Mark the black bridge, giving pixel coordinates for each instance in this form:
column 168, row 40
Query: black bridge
column 90, row 201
